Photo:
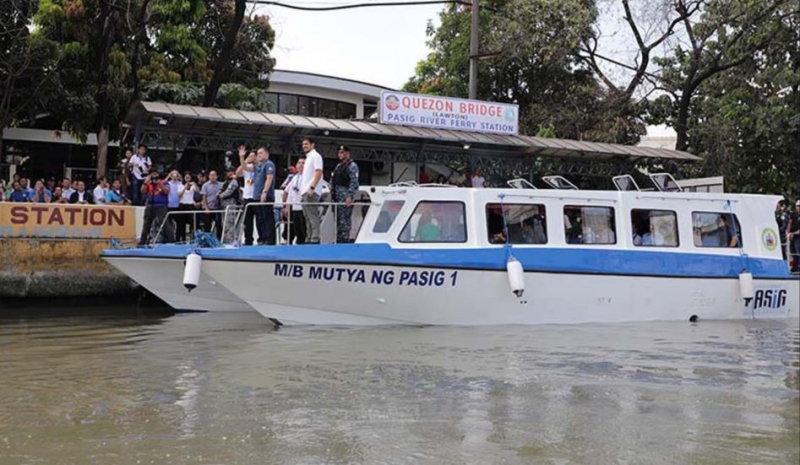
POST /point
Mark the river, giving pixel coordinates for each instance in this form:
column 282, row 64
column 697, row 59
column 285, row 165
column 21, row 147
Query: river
column 230, row 389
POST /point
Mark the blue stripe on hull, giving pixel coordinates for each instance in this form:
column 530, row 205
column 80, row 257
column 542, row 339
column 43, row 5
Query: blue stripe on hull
column 564, row 260
column 591, row 261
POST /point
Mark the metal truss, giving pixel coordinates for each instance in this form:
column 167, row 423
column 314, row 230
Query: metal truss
column 503, row 165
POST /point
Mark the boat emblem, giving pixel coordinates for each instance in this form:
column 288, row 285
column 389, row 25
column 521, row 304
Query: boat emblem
column 769, row 238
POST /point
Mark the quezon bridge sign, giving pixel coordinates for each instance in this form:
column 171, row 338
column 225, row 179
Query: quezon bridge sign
column 65, row 221
column 431, row 111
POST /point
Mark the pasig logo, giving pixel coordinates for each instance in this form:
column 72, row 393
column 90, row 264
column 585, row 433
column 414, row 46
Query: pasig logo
column 392, row 102
column 769, row 238
column 767, row 298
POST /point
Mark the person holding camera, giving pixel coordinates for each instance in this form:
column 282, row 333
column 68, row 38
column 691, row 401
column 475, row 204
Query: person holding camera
column 184, row 219
column 156, row 194
column 292, row 207
column 140, row 165
column 247, row 172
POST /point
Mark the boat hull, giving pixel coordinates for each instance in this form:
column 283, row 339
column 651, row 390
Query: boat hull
column 363, row 294
column 163, row 276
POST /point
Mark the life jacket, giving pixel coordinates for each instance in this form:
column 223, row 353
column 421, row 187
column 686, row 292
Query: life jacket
column 341, row 175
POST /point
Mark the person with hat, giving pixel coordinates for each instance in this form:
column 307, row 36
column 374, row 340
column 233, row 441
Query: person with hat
column 793, row 236
column 345, row 187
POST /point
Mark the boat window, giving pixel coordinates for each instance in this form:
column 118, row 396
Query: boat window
column 362, row 205
column 716, row 230
column 387, row 215
column 436, row 222
column 524, row 223
column 654, row 228
column 589, row 225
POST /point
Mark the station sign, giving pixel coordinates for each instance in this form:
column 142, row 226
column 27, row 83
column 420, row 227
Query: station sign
column 434, row 112
column 65, row 221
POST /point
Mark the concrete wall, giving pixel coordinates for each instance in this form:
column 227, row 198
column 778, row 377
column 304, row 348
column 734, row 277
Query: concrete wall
column 58, row 268
column 31, row 267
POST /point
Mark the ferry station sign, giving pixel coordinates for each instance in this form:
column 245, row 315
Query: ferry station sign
column 65, row 221
column 431, row 111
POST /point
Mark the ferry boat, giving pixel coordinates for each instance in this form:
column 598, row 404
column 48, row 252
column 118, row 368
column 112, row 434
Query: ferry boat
column 519, row 255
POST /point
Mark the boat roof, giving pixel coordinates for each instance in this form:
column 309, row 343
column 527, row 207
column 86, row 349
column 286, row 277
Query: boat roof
column 185, row 119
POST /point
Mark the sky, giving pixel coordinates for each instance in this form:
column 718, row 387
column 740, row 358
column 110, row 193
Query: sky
column 378, row 45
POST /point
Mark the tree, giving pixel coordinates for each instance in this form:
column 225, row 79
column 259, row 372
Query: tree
column 536, row 65
column 728, row 35
column 114, row 51
column 26, row 62
column 738, row 101
column 92, row 89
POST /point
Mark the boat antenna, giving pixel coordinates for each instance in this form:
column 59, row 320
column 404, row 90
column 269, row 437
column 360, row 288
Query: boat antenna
column 505, row 223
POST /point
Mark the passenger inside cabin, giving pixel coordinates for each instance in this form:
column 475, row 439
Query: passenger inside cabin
column 495, row 222
column 641, row 231
column 599, row 233
column 572, row 225
column 427, row 231
column 728, row 235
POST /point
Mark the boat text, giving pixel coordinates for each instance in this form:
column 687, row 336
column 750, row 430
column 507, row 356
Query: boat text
column 425, row 278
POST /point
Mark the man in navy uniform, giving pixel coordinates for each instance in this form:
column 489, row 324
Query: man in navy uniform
column 344, row 182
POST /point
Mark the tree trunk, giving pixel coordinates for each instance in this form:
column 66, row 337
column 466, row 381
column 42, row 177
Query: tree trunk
column 222, row 65
column 102, row 152
column 682, row 124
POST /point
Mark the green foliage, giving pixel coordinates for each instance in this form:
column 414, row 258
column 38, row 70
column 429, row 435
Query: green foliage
column 236, row 96
column 26, row 62
column 733, row 95
column 108, row 51
column 536, row 67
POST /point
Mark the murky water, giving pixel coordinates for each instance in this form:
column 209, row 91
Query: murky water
column 227, row 389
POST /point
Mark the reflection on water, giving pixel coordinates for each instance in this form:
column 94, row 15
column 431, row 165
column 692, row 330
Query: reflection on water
column 204, row 388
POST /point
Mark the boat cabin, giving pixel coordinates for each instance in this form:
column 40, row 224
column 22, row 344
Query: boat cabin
column 410, row 216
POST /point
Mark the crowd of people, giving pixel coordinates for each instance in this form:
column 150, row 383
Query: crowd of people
column 199, row 201
column 21, row 189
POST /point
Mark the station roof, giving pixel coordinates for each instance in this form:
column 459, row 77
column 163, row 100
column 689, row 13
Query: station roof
column 183, row 119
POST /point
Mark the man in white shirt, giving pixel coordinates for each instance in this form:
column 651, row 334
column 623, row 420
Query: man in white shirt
column 292, row 208
column 140, row 165
column 248, row 192
column 311, row 189
column 100, row 191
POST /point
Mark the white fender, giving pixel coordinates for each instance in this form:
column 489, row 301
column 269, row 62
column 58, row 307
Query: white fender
column 191, row 271
column 516, row 276
column 746, row 285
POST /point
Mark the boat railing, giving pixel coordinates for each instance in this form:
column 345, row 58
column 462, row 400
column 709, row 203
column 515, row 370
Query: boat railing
column 329, row 214
column 193, row 213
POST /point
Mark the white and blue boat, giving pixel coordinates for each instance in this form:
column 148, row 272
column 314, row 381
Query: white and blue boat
column 462, row 256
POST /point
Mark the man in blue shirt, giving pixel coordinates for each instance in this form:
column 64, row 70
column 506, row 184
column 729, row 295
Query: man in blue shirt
column 264, row 188
column 156, row 194
column 17, row 194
